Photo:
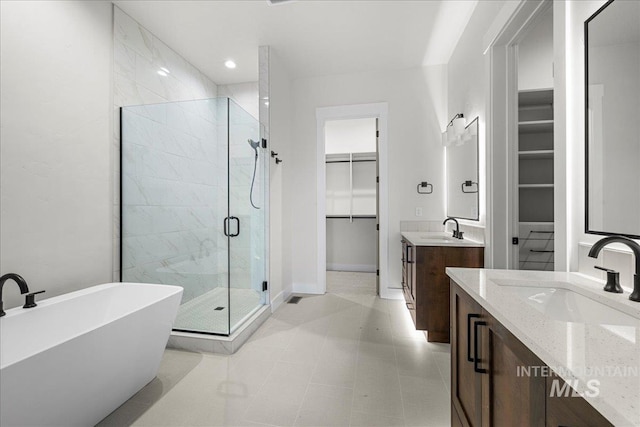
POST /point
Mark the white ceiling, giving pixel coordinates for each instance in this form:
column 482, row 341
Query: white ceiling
column 312, row 38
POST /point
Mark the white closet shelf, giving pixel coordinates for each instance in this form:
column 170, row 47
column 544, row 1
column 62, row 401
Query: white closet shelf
column 534, row 223
column 536, row 154
column 351, row 157
column 535, row 185
column 535, row 126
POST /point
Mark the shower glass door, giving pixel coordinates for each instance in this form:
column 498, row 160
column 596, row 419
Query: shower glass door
column 247, row 244
column 187, row 209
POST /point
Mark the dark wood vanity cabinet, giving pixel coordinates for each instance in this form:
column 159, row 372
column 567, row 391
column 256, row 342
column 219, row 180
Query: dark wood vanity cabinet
column 488, row 387
column 426, row 286
column 485, row 387
column 571, row 411
column 466, row 384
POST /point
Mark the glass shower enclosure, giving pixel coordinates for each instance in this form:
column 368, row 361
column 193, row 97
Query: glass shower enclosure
column 192, row 208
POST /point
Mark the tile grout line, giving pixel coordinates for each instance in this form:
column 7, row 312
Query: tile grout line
column 355, row 375
column 306, row 391
column 395, row 352
column 262, row 385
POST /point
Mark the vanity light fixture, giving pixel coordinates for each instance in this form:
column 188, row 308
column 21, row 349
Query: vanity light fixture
column 230, row 64
column 454, row 130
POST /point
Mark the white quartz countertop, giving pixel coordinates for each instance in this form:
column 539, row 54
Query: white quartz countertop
column 584, row 339
column 438, row 238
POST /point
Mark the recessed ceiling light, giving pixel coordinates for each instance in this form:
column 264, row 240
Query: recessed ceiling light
column 165, row 70
column 162, row 73
column 230, row 64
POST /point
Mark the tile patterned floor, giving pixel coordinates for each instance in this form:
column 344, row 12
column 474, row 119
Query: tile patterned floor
column 346, row 358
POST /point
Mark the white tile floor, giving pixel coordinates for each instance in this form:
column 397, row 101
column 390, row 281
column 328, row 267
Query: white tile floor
column 346, row 358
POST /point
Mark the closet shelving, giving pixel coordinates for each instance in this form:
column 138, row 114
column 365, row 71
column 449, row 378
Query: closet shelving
column 535, row 179
column 351, row 186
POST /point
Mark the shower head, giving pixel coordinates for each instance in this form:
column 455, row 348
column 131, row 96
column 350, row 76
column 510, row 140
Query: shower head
column 254, row 144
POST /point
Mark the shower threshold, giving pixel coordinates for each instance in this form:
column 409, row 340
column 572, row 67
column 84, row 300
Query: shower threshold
column 193, row 341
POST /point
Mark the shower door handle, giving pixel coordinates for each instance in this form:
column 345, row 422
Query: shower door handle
column 237, row 233
column 226, row 227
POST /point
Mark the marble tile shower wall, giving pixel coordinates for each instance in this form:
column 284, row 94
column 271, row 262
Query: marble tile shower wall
column 138, row 56
column 174, row 175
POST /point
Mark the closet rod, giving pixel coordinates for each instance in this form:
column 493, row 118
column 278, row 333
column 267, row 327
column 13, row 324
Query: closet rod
column 349, row 161
column 351, row 216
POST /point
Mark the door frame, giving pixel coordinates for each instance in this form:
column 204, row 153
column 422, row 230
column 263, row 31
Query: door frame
column 500, row 47
column 345, row 112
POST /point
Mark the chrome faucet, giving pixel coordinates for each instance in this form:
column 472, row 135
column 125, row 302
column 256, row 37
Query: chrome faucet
column 597, row 247
column 16, row 278
column 457, row 234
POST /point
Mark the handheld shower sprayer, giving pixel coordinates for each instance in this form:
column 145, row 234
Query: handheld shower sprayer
column 254, row 145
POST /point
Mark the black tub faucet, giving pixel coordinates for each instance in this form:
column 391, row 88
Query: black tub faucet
column 457, row 234
column 597, row 247
column 16, row 278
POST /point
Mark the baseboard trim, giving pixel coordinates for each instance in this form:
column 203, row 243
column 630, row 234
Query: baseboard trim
column 357, row 268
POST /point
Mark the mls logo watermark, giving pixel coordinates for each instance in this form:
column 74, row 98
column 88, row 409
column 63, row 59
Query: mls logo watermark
column 589, row 386
column 561, row 388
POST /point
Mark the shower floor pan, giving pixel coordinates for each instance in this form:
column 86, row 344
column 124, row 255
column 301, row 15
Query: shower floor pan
column 210, row 313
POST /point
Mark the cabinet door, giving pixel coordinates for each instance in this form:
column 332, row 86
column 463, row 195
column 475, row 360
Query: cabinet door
column 466, row 384
column 407, row 279
column 433, row 284
column 510, row 397
column 404, row 264
column 411, row 271
column 570, row 411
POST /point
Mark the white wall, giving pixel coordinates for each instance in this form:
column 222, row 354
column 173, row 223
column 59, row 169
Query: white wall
column 352, row 246
column 416, row 99
column 55, row 155
column 245, row 94
column 535, row 55
column 281, row 198
column 466, row 88
column 350, row 136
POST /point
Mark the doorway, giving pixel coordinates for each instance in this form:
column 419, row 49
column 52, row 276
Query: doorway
column 501, row 43
column 533, row 149
column 351, row 166
column 357, row 186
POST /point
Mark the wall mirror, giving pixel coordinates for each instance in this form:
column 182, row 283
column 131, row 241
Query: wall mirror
column 462, row 174
column 612, row 117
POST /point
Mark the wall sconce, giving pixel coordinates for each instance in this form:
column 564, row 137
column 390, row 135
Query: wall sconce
column 454, row 130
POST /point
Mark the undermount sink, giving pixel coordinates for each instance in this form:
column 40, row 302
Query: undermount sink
column 438, row 238
column 565, row 305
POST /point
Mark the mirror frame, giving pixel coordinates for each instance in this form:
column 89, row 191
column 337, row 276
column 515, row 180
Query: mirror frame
column 475, row 121
column 587, row 230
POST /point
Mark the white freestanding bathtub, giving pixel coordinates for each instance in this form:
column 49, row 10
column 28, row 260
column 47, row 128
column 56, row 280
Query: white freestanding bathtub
column 75, row 358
